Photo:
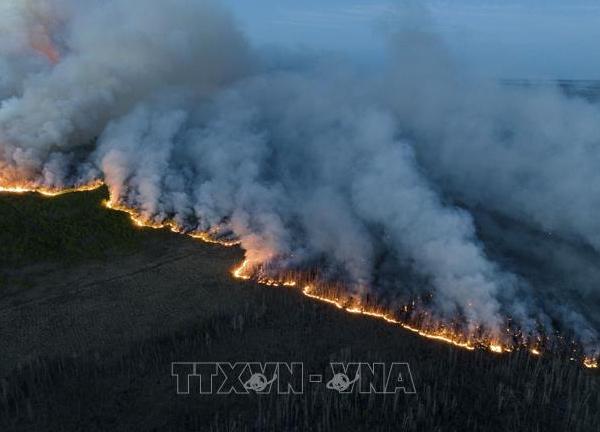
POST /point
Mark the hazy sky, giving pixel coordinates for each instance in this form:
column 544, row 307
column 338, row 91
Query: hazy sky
column 511, row 38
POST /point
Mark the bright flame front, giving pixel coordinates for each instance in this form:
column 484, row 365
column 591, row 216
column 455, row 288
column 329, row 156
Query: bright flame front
column 245, row 272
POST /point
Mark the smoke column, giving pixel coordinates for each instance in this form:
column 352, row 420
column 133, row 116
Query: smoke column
column 387, row 181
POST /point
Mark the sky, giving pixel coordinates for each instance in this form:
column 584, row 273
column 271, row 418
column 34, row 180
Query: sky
column 535, row 39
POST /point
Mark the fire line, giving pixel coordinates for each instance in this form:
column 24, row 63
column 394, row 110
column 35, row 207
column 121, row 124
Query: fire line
column 243, row 272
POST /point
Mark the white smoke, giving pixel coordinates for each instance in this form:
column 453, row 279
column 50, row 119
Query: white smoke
column 116, row 53
column 165, row 101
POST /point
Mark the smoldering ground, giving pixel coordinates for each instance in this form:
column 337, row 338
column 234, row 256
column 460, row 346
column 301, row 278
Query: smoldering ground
column 374, row 176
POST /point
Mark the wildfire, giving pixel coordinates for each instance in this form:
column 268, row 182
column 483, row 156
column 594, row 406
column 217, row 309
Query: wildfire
column 49, row 191
column 239, row 272
column 443, row 335
column 141, row 221
column 137, row 219
column 207, row 237
column 245, row 272
column 439, row 333
column 496, row 348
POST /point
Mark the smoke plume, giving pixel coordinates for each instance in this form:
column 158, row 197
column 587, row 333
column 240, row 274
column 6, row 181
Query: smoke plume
column 410, row 181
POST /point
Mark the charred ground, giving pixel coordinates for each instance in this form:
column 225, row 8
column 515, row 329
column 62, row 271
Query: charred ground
column 93, row 311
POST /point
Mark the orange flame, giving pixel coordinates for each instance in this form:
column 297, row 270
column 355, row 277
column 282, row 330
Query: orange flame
column 439, row 333
column 141, row 221
column 49, row 191
column 244, row 272
column 442, row 334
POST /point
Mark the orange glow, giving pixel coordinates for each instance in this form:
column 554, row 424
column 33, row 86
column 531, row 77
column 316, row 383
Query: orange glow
column 245, row 271
column 239, row 272
column 49, row 192
column 436, row 332
column 442, row 335
column 496, row 348
column 206, row 238
column 48, row 50
column 41, row 42
column 143, row 222
column 137, row 219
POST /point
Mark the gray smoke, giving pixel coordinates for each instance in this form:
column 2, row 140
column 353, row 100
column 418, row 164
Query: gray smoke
column 115, row 53
column 386, row 180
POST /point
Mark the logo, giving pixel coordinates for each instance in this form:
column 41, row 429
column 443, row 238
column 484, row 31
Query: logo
column 258, row 382
column 340, row 382
column 223, row 378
